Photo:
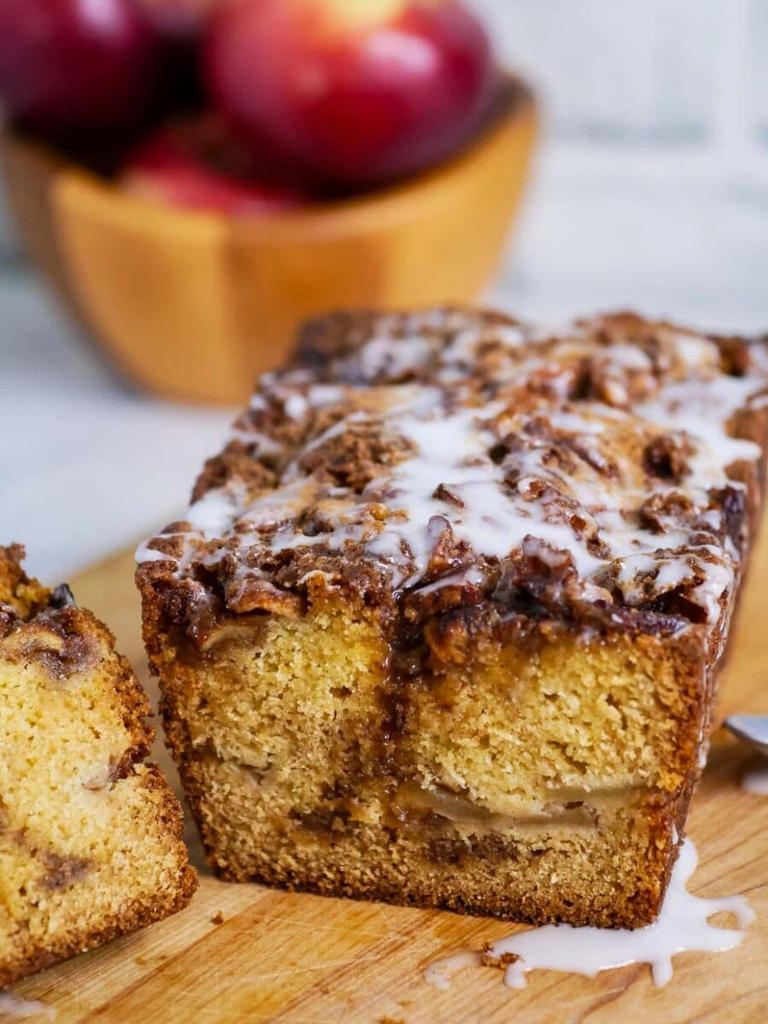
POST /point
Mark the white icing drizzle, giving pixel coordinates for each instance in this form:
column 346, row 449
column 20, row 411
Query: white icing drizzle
column 210, row 515
column 146, row 554
column 13, row 1007
column 682, row 926
column 451, row 451
column 701, row 409
column 379, row 355
column 439, row 972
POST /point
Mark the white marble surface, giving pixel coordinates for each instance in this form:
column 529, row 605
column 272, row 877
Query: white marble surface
column 87, row 465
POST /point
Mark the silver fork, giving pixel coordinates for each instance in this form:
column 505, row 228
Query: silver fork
column 752, row 728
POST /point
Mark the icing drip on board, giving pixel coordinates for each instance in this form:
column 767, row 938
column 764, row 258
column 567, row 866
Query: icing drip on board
column 14, row 1008
column 682, row 926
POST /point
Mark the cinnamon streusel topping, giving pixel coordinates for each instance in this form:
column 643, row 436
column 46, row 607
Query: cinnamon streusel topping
column 598, row 471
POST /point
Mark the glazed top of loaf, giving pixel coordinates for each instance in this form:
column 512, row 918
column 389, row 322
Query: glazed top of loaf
column 605, row 470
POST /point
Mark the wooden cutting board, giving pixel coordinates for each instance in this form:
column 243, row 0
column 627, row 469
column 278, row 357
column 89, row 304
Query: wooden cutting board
column 246, row 953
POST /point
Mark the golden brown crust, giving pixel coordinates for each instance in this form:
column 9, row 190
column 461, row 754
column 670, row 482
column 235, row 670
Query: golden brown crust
column 50, row 649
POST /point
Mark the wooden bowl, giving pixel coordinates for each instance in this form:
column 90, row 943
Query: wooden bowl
column 195, row 305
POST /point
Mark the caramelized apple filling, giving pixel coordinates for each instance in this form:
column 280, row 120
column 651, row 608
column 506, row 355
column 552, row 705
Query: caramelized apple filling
column 569, row 807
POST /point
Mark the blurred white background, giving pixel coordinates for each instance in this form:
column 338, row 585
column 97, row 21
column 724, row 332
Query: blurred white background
column 651, row 191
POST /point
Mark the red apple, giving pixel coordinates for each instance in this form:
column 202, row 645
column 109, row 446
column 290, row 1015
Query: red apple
column 179, row 23
column 178, row 18
column 72, row 66
column 197, row 166
column 353, row 92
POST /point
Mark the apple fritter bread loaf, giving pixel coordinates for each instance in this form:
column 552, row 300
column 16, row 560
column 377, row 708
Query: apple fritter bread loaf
column 90, row 834
column 443, row 622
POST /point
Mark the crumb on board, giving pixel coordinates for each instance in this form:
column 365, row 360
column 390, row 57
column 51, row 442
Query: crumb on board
column 489, row 960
